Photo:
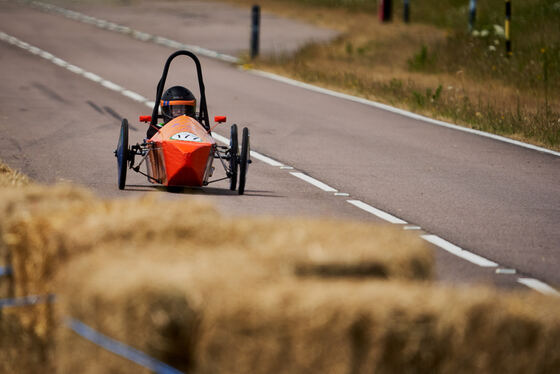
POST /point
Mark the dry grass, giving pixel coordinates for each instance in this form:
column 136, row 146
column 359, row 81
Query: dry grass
column 432, row 66
column 12, row 178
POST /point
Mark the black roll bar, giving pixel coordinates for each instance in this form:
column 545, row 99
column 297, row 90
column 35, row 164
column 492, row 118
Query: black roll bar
column 203, row 117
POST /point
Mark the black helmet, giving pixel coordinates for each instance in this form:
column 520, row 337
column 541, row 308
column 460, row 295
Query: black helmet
column 177, row 101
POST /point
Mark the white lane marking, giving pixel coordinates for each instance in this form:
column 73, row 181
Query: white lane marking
column 94, row 77
column 110, row 85
column 134, row 96
column 266, row 159
column 506, row 271
column 377, row 212
column 341, row 194
column 458, row 251
column 74, row 69
column 539, row 286
column 137, row 34
column 412, row 228
column 391, row 109
column 313, row 181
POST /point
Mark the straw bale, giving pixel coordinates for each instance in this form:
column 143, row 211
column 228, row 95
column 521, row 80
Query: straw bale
column 382, row 327
column 229, row 315
column 44, row 227
column 327, row 248
column 22, row 349
column 28, row 217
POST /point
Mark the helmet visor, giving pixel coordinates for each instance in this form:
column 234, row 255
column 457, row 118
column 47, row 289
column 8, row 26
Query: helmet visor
column 177, row 108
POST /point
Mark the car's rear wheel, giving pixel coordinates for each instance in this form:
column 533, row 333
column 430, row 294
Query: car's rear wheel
column 122, row 154
column 244, row 160
column 233, row 157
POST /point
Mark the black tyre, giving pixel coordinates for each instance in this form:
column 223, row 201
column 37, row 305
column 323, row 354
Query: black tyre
column 234, row 157
column 122, row 154
column 244, row 160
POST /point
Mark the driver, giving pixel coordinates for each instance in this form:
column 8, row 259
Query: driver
column 175, row 101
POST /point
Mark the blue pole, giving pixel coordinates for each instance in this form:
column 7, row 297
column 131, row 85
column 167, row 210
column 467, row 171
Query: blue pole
column 255, row 30
column 406, row 11
column 472, row 14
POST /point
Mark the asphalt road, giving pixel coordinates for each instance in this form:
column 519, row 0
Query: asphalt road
column 494, row 199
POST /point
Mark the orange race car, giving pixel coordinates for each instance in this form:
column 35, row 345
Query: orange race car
column 180, row 151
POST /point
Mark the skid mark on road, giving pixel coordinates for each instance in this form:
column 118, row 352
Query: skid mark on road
column 433, row 239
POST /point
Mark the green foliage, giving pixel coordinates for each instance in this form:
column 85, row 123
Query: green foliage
column 422, row 60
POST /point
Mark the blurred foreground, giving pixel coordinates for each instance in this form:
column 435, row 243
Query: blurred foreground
column 209, row 294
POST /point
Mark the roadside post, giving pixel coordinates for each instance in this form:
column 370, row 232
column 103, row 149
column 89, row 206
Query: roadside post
column 472, row 14
column 507, row 28
column 406, row 11
column 255, row 30
column 385, row 10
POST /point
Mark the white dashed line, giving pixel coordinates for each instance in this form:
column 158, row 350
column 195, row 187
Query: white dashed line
column 266, row 159
column 539, row 286
column 458, row 251
column 313, row 181
column 134, row 96
column 110, row 85
column 505, row 271
column 377, row 212
column 93, row 77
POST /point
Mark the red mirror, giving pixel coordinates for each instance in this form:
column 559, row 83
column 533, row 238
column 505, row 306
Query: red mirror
column 220, row 119
column 146, row 119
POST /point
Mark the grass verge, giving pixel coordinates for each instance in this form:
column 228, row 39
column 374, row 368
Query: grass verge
column 433, row 66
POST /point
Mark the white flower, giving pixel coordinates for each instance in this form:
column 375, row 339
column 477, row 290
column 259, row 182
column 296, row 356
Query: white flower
column 496, row 42
column 484, row 33
column 499, row 30
column 476, row 33
column 492, row 48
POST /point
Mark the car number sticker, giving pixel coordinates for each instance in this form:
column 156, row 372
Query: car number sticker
column 186, row 136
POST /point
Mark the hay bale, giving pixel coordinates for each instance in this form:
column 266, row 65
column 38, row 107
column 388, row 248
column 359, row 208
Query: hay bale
column 28, row 218
column 333, row 249
column 23, row 349
column 382, row 327
column 230, row 314
column 45, row 227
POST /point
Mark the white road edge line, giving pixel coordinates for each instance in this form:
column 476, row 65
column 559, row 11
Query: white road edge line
column 532, row 283
column 220, row 56
column 313, row 181
column 377, row 212
column 458, row 251
column 539, row 286
column 391, row 109
column 137, row 34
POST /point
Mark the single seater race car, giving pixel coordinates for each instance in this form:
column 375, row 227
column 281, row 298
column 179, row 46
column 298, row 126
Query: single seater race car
column 182, row 151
